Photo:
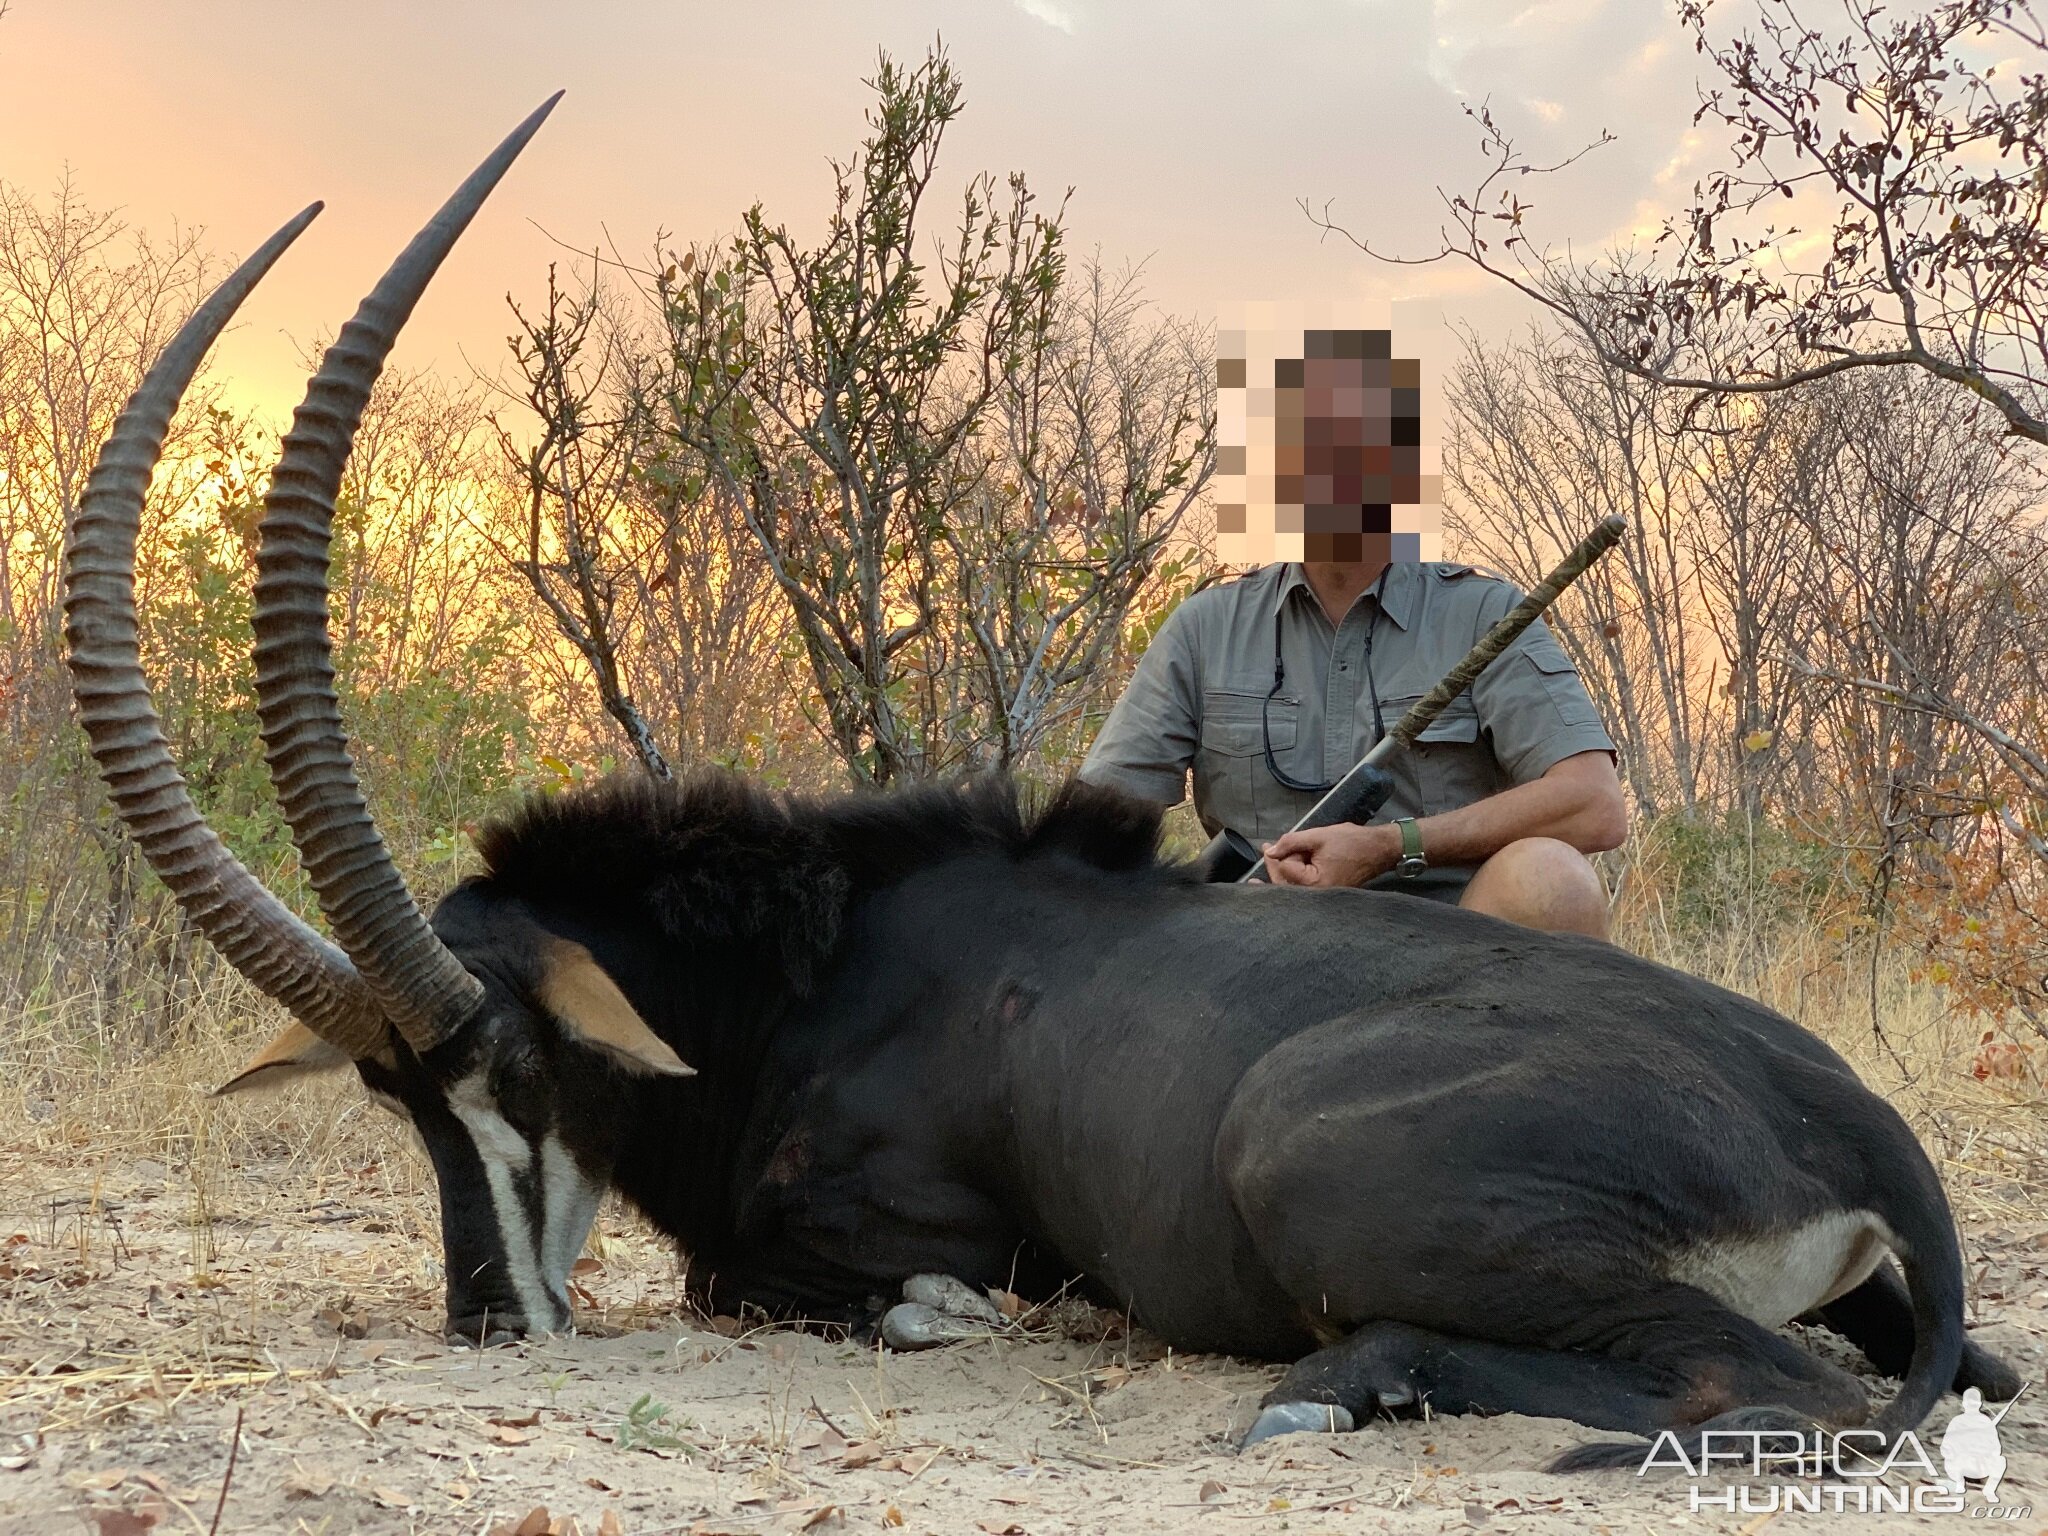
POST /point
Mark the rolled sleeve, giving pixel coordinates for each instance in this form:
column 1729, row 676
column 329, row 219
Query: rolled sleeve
column 1533, row 706
column 1148, row 743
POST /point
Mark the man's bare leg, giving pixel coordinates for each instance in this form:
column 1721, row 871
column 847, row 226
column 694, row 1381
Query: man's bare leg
column 1540, row 882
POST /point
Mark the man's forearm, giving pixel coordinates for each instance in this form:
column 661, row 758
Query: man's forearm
column 1579, row 801
column 1573, row 804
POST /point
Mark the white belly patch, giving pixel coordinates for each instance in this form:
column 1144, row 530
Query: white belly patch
column 1773, row 1278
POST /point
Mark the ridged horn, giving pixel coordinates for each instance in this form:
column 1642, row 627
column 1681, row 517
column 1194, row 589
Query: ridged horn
column 257, row 933
column 422, row 987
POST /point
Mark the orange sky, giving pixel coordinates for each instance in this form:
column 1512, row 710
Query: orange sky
column 1187, row 130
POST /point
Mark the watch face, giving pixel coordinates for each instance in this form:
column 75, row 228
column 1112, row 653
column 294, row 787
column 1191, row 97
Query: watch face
column 1410, row 867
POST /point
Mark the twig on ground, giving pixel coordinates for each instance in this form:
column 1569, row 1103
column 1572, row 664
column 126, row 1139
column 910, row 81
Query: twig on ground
column 227, row 1478
column 825, row 1419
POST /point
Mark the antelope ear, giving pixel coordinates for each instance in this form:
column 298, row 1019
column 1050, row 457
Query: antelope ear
column 591, row 1008
column 295, row 1053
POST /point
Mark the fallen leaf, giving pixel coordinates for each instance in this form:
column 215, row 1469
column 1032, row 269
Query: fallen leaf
column 305, row 1483
column 999, row 1527
column 457, row 1489
column 1212, row 1490
column 505, row 1434
column 599, row 1484
column 587, row 1266
column 100, row 1482
column 1009, row 1303
column 831, row 1514
column 124, row 1522
column 726, row 1327
column 860, row 1455
column 892, row 1516
column 391, row 1498
column 525, row 1422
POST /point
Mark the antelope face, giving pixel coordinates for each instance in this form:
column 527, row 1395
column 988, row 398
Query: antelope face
column 520, row 1113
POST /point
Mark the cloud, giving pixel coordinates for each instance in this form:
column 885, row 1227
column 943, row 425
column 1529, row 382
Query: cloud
column 1056, row 16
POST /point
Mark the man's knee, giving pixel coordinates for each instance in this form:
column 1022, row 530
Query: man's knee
column 1541, row 882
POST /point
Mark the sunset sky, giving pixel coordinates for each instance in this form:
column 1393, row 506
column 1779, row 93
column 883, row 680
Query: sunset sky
column 1187, row 131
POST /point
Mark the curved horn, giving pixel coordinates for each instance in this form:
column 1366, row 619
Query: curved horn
column 260, row 936
column 423, row 988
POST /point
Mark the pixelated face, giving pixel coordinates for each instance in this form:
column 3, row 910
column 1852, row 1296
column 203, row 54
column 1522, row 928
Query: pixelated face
column 1345, row 452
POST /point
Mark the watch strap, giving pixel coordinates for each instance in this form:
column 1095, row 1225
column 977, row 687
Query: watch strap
column 1412, row 861
column 1411, row 837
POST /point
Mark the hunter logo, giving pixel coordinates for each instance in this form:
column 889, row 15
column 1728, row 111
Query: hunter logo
column 1970, row 1448
column 1847, row 1471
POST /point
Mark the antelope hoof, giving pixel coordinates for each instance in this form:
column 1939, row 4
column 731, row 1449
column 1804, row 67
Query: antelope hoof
column 955, row 1297
column 913, row 1325
column 1297, row 1419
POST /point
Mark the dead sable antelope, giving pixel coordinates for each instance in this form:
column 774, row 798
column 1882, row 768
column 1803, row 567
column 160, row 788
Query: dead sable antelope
column 1431, row 1158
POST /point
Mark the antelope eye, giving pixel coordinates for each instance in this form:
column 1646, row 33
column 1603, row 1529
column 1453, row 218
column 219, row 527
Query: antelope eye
column 518, row 1084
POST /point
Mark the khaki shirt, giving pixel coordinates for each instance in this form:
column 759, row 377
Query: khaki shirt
column 1195, row 699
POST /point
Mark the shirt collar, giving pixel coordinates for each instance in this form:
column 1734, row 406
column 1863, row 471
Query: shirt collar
column 1398, row 604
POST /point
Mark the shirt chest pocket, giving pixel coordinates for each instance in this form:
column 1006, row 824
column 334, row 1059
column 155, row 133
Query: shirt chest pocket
column 1450, row 765
column 1233, row 786
column 1238, row 724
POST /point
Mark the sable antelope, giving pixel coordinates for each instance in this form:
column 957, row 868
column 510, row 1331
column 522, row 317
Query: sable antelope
column 1431, row 1158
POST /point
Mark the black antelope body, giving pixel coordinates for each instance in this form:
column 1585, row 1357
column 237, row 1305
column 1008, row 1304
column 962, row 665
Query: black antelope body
column 1433, row 1159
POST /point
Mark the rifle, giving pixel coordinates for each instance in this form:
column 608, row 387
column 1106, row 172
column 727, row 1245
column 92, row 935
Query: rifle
column 1231, row 856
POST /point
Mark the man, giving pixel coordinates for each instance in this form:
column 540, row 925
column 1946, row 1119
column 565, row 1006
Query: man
column 1271, row 687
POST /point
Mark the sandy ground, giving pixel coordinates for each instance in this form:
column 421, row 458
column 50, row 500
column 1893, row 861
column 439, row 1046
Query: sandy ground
column 269, row 1329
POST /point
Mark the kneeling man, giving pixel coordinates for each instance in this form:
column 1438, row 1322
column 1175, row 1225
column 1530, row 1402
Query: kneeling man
column 1269, row 688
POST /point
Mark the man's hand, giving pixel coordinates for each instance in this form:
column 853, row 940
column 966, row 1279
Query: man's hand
column 1346, row 854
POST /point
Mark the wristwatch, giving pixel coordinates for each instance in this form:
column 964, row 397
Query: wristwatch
column 1412, row 863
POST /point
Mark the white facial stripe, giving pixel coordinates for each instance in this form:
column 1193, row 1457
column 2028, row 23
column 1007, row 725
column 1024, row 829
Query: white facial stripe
column 504, row 1152
column 492, row 1133
column 568, row 1206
